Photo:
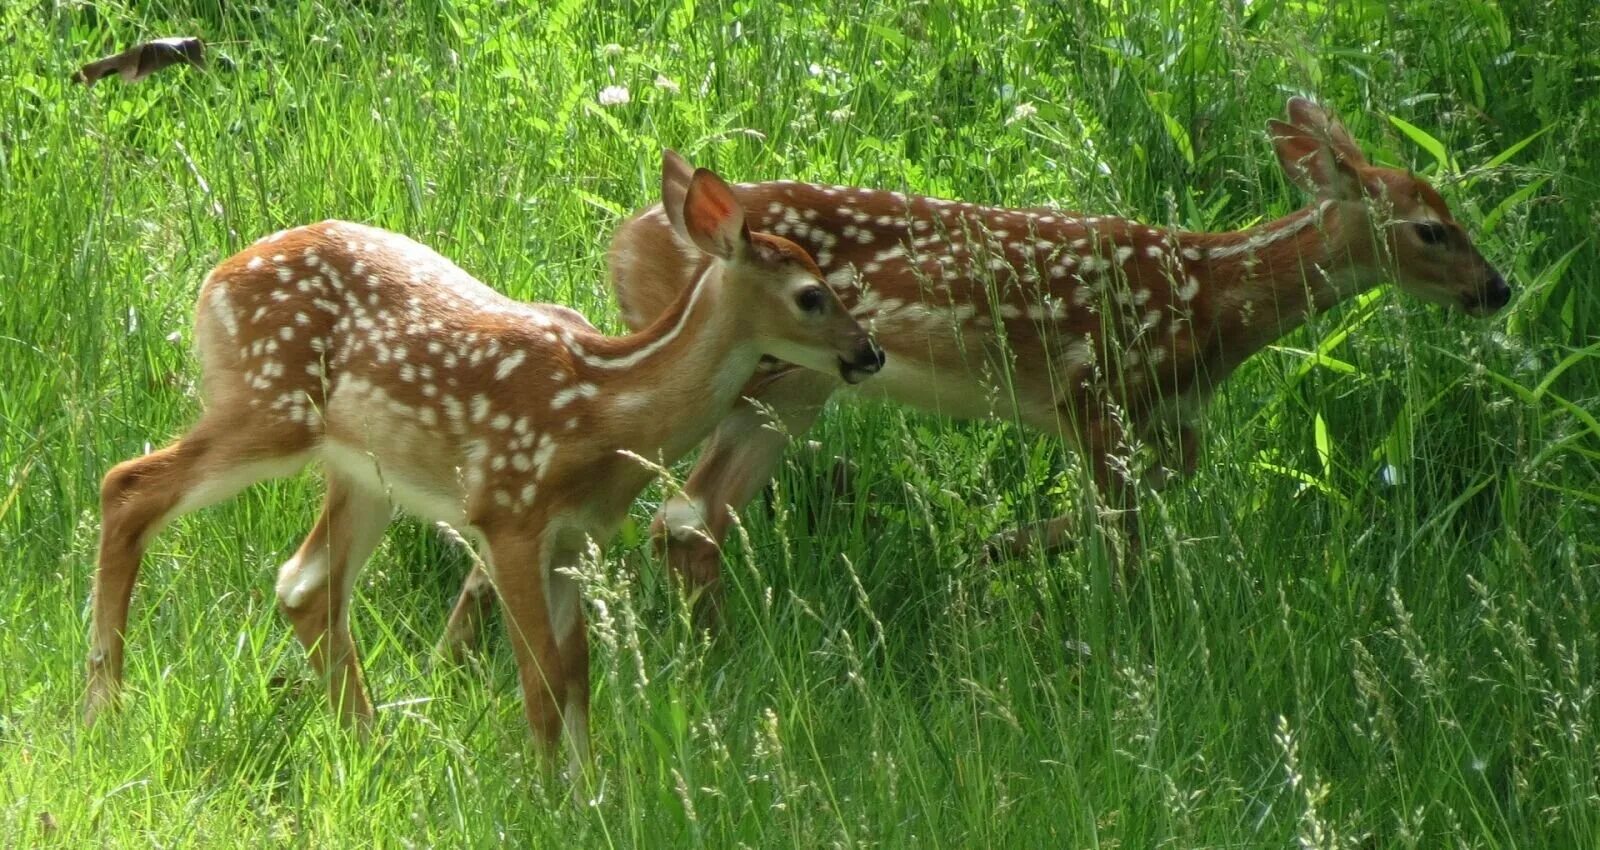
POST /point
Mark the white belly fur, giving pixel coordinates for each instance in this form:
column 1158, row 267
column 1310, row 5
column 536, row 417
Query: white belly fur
column 423, row 499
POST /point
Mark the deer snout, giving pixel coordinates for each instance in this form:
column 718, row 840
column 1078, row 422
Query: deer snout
column 862, row 363
column 1497, row 293
column 1494, row 294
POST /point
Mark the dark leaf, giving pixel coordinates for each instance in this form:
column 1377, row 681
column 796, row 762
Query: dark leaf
column 142, row 60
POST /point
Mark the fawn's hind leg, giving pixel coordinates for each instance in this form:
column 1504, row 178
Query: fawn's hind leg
column 219, row 457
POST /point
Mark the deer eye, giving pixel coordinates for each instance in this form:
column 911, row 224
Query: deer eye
column 811, row 299
column 1430, row 232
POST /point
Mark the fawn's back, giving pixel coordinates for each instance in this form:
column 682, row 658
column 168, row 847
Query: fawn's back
column 983, row 310
column 390, row 357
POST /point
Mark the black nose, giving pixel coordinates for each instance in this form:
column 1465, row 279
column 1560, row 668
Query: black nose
column 871, row 358
column 1496, row 293
column 866, row 360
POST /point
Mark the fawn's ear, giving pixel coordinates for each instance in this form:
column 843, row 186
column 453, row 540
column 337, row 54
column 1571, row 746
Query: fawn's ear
column 676, row 172
column 712, row 217
column 1321, row 122
column 1311, row 162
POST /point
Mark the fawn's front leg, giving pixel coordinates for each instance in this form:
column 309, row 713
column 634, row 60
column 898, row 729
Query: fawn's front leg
column 1102, row 444
column 544, row 620
column 465, row 626
column 737, row 461
column 315, row 586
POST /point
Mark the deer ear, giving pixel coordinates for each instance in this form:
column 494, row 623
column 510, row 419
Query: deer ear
column 712, row 216
column 1307, row 113
column 676, row 172
column 1312, row 163
column 1322, row 123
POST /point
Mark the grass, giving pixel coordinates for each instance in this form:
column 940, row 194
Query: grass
column 1370, row 621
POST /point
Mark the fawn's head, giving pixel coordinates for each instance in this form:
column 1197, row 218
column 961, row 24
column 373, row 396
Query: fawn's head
column 773, row 284
column 1418, row 243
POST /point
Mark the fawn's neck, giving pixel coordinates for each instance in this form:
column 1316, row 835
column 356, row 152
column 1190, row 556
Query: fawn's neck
column 1266, row 281
column 664, row 388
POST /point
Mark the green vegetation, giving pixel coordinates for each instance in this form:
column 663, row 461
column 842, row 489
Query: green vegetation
column 1370, row 621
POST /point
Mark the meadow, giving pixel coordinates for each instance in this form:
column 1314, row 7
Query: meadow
column 1369, row 621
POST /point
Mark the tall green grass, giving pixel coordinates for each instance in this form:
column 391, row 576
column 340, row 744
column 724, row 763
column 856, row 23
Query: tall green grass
column 1370, row 621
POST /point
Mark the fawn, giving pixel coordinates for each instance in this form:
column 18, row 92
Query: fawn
column 1101, row 330
column 415, row 385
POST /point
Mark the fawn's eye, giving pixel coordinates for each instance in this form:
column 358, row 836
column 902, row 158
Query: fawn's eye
column 811, row 299
column 1430, row 232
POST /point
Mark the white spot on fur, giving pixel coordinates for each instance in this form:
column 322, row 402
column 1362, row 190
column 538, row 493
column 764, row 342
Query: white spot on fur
column 1190, row 288
column 684, row 517
column 570, row 394
column 509, row 363
column 299, row 576
column 222, row 308
column 1050, row 311
column 541, row 458
column 453, row 409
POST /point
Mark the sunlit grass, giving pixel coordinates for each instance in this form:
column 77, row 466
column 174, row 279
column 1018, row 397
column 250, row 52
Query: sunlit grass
column 1369, row 621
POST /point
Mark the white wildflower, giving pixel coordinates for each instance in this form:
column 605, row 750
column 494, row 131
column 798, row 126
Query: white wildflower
column 1023, row 112
column 663, row 82
column 611, row 50
column 614, row 96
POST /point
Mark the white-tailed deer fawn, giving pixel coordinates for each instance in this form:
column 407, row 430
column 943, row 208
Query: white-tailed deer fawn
column 1101, row 330
column 416, row 385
